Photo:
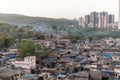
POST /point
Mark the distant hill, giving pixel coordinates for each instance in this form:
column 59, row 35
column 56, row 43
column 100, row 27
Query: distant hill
column 21, row 20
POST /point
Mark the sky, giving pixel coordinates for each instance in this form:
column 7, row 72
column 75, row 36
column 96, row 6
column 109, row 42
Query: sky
column 58, row 8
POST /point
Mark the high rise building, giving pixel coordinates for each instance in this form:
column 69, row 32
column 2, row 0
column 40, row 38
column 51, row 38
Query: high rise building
column 87, row 20
column 100, row 20
column 119, row 16
column 81, row 22
column 94, row 17
column 111, row 19
column 103, row 19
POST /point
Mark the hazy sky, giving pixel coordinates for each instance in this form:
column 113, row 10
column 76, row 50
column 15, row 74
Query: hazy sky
column 58, row 8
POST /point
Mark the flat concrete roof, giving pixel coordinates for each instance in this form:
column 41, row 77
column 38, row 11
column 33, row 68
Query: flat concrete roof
column 28, row 77
column 83, row 74
column 8, row 72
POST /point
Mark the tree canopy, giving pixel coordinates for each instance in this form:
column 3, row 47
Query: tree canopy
column 5, row 41
column 26, row 48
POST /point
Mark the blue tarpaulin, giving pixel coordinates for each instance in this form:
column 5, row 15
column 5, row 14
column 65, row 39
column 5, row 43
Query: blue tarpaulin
column 107, row 55
column 12, row 56
column 62, row 75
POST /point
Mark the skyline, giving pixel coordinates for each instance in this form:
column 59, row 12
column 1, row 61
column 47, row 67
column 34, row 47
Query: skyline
column 58, row 8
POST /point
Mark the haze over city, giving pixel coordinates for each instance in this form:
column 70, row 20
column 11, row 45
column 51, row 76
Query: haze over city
column 58, row 8
column 59, row 39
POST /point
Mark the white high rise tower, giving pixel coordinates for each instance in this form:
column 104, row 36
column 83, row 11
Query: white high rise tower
column 119, row 17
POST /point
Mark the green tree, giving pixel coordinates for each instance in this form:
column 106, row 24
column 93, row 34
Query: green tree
column 5, row 41
column 41, row 52
column 20, row 33
column 38, row 35
column 90, row 38
column 26, row 48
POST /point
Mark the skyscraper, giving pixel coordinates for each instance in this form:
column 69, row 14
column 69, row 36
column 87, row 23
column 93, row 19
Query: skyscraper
column 94, row 17
column 81, row 22
column 103, row 19
column 87, row 20
column 111, row 19
column 119, row 16
column 100, row 20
